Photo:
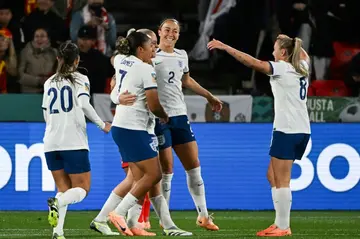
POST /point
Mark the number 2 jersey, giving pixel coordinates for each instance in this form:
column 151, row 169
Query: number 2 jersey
column 170, row 68
column 65, row 105
column 290, row 97
column 134, row 76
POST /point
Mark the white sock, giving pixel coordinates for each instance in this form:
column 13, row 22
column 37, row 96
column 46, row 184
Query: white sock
column 283, row 207
column 273, row 195
column 59, row 229
column 197, row 190
column 128, row 202
column 111, row 203
column 162, row 211
column 72, row 196
column 133, row 215
column 166, row 186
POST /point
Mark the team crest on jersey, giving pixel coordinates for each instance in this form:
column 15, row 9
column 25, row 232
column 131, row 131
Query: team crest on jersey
column 180, row 64
column 87, row 87
column 153, row 76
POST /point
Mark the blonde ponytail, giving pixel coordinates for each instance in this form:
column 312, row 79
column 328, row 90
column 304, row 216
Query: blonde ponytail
column 295, row 58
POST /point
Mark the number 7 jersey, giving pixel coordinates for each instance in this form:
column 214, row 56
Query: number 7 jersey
column 170, row 68
column 65, row 119
column 290, row 97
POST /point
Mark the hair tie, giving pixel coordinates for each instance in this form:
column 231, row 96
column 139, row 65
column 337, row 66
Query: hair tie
column 294, row 41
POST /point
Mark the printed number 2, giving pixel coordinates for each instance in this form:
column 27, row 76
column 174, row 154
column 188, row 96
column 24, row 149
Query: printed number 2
column 123, row 74
column 62, row 99
column 172, row 76
column 303, row 88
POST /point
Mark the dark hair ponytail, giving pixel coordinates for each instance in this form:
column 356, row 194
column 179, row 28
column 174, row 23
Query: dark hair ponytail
column 128, row 46
column 68, row 53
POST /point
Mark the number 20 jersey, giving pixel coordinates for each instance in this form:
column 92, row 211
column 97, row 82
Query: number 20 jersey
column 65, row 120
column 170, row 68
column 290, row 97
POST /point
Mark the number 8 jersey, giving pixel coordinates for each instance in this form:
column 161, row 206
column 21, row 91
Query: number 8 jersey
column 170, row 68
column 65, row 119
column 290, row 96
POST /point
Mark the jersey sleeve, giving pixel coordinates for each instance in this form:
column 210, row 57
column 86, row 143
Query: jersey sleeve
column 149, row 77
column 186, row 63
column 83, row 87
column 116, row 60
column 44, row 100
column 278, row 68
column 114, row 95
column 43, row 105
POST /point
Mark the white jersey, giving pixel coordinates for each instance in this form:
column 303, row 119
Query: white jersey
column 134, row 76
column 170, row 68
column 65, row 119
column 151, row 124
column 290, row 96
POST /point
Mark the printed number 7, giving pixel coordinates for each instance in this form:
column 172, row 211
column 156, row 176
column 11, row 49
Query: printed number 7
column 123, row 74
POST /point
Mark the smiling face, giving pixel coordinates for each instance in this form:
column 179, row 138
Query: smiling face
column 169, row 33
column 154, row 44
column 41, row 38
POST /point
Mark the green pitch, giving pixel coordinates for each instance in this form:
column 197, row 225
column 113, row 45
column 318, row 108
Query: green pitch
column 233, row 224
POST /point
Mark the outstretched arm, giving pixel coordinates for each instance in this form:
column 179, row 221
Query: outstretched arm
column 246, row 59
column 190, row 83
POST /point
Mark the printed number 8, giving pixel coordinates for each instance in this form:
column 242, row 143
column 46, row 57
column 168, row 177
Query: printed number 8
column 303, row 88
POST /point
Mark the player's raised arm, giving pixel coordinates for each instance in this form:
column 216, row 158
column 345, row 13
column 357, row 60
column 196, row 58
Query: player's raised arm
column 246, row 59
column 190, row 83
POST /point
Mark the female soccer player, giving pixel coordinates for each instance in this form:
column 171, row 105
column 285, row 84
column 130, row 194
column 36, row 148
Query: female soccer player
column 99, row 223
column 129, row 130
column 172, row 71
column 65, row 102
column 289, row 82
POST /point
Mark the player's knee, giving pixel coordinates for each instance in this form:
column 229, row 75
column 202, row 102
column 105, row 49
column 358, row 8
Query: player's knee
column 63, row 187
column 166, row 166
column 282, row 180
column 270, row 177
column 82, row 183
column 157, row 177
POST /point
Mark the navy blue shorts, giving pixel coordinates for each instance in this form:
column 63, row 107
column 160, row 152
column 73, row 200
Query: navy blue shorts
column 72, row 161
column 288, row 146
column 134, row 145
column 176, row 131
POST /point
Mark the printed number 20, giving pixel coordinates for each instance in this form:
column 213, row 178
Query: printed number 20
column 303, row 88
column 62, row 99
column 172, row 76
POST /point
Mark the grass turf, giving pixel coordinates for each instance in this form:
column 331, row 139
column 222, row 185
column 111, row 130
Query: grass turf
column 233, row 224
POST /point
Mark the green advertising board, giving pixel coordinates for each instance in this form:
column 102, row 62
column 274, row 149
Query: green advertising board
column 21, row 107
column 27, row 107
column 321, row 109
column 334, row 109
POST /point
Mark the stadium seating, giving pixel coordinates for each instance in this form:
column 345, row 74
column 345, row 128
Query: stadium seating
column 328, row 88
column 344, row 52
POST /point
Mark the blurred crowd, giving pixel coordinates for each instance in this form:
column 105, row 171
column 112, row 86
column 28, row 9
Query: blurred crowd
column 329, row 30
column 31, row 31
